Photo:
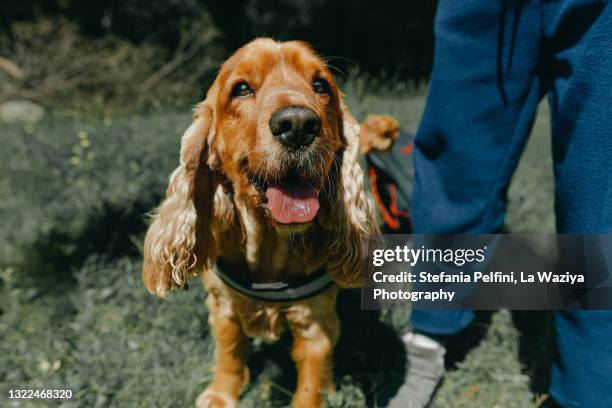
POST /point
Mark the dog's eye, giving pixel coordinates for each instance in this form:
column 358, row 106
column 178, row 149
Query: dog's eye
column 241, row 89
column 320, row 86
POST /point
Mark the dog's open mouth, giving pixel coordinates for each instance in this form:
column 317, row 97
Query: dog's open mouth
column 290, row 200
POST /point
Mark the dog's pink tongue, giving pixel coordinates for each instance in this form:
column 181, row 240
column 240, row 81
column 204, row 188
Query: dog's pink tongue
column 292, row 203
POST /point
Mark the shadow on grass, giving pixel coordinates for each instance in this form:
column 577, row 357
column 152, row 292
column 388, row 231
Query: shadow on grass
column 537, row 347
column 369, row 355
column 110, row 231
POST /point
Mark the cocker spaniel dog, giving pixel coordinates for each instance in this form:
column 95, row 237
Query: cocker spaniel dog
column 268, row 205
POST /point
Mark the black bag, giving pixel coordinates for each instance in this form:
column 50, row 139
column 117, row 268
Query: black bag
column 388, row 178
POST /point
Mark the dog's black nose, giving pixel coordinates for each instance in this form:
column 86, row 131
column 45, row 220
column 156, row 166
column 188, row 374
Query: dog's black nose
column 295, row 126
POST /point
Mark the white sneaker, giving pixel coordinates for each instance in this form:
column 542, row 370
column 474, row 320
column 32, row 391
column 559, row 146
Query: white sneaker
column 424, row 369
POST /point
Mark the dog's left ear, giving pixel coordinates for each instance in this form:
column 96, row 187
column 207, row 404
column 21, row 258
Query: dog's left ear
column 180, row 241
column 356, row 217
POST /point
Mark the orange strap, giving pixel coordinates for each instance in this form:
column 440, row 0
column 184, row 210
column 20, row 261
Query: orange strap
column 394, row 210
column 391, row 221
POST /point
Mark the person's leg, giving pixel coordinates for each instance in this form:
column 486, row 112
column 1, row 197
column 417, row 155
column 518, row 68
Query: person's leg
column 578, row 36
column 583, row 376
column 482, row 99
column 483, row 95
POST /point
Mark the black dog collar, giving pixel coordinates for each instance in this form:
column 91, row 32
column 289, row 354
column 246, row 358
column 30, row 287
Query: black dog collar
column 299, row 289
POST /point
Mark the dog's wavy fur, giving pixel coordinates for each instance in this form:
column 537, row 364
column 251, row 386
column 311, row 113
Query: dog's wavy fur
column 213, row 210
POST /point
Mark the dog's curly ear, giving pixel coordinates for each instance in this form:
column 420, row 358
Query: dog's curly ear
column 356, row 218
column 180, row 240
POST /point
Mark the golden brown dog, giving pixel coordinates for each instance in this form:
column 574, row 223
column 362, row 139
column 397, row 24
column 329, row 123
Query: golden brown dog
column 269, row 184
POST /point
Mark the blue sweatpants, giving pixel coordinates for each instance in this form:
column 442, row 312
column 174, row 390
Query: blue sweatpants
column 494, row 61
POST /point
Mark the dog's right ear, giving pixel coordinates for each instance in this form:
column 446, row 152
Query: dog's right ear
column 356, row 219
column 179, row 241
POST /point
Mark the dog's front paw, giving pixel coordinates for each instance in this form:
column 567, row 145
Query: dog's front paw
column 215, row 399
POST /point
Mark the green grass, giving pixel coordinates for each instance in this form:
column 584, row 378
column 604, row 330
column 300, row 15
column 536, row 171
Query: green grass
column 73, row 313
